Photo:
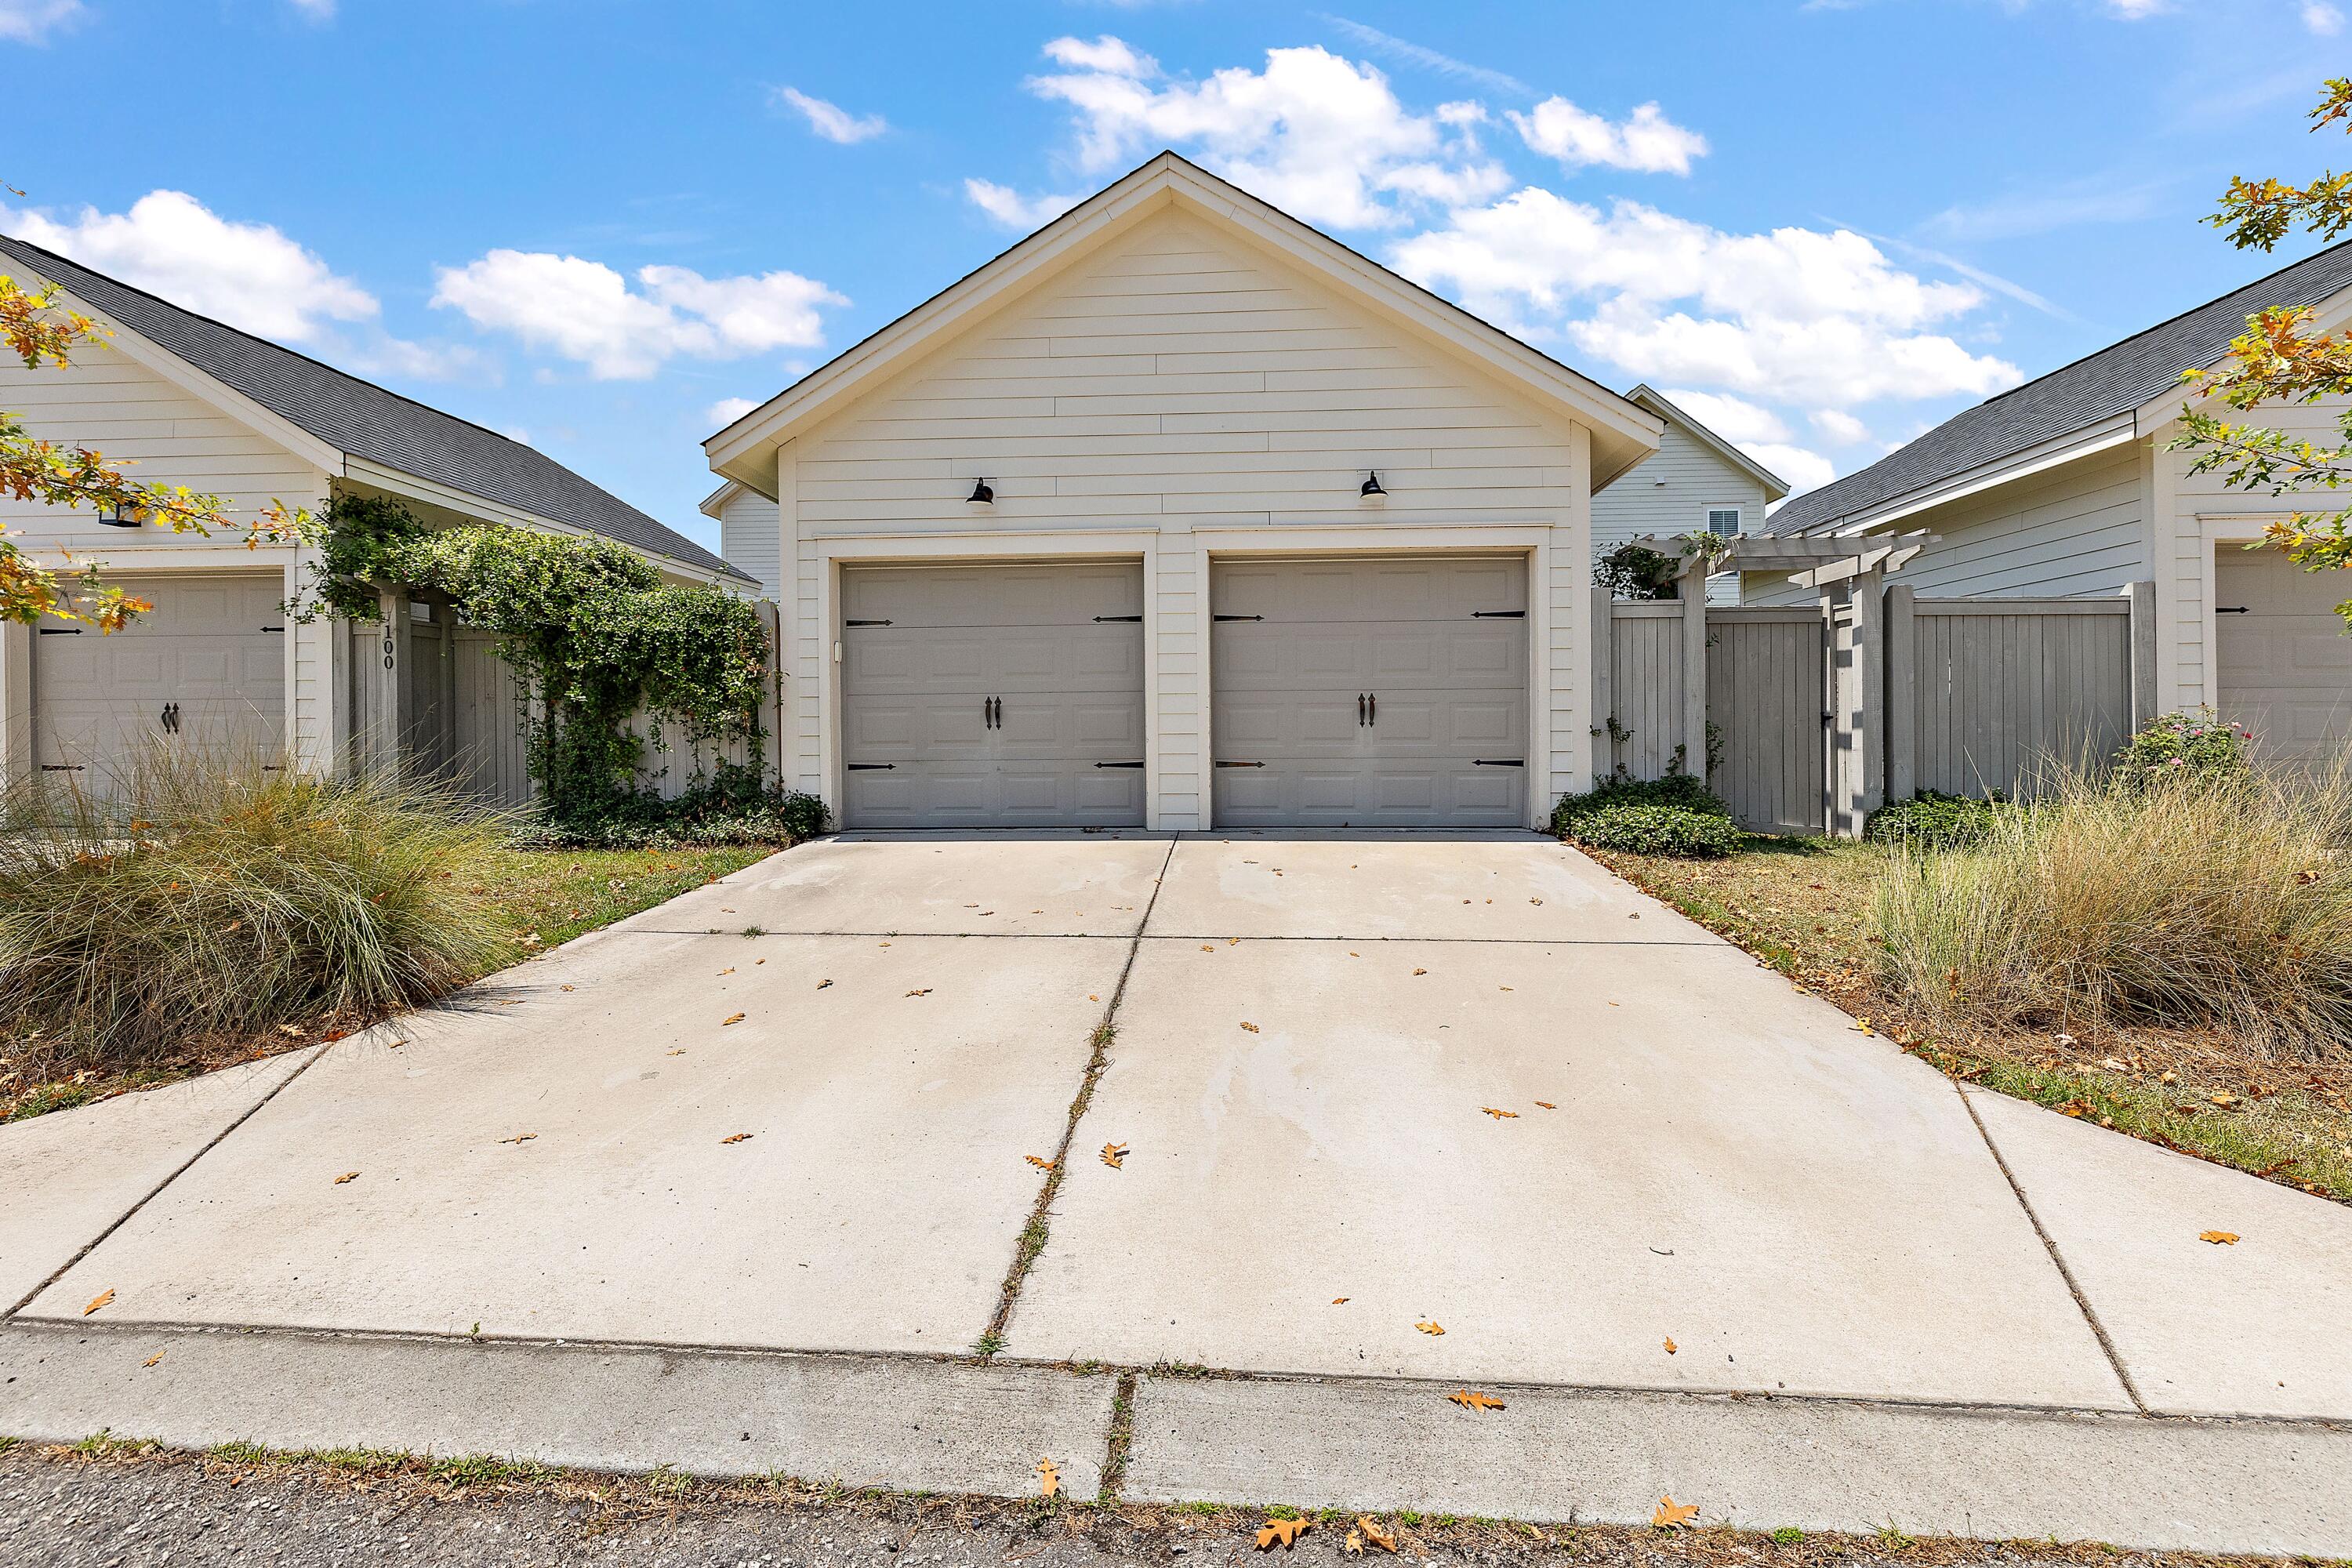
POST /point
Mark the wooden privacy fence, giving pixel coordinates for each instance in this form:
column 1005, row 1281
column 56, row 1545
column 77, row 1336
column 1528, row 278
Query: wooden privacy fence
column 439, row 689
column 1807, row 718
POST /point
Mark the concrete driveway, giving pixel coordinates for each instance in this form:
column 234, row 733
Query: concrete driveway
column 1367, row 1087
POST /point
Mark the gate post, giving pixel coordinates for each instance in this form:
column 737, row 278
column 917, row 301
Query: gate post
column 1902, row 692
column 2143, row 653
column 1857, row 680
column 394, row 706
column 1692, row 587
column 16, row 701
column 1603, row 716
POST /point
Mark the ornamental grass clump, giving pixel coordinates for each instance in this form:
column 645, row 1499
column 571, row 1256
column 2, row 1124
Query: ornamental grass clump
column 2219, row 900
column 204, row 897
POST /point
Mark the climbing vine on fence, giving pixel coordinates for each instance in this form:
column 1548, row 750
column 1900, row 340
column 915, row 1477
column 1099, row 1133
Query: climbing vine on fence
column 588, row 626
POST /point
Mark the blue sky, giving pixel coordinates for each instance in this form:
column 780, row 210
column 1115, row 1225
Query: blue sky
column 593, row 223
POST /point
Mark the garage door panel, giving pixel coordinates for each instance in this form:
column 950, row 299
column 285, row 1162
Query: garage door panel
column 1057, row 648
column 1440, row 643
column 213, row 648
column 2282, row 661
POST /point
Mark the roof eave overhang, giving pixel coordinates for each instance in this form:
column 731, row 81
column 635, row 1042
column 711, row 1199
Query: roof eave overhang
column 2116, row 431
column 1623, row 434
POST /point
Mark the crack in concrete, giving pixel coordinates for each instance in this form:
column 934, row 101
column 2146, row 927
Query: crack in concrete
column 1036, row 1231
column 2049, row 1244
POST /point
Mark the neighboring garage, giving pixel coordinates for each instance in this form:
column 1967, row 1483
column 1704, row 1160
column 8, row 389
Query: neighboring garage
column 993, row 696
column 206, row 669
column 2282, row 662
column 1360, row 692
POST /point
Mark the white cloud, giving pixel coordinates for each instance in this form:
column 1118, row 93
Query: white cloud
column 1803, row 468
column 1821, row 319
column 247, row 274
column 32, row 21
column 1735, row 419
column 725, row 411
column 1840, row 427
column 831, row 120
column 586, row 312
column 1320, row 137
column 1013, row 210
column 1647, row 142
column 2323, row 19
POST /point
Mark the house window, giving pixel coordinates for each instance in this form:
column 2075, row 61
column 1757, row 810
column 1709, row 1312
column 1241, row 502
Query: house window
column 1723, row 520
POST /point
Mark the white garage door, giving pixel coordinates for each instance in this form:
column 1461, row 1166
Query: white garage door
column 1370, row 692
column 206, row 669
column 993, row 696
column 2283, row 660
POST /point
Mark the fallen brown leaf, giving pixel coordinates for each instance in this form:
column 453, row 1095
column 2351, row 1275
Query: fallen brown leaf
column 1113, row 1153
column 730, row 1018
column 1049, row 1479
column 347, row 1176
column 1376, row 1532
column 1421, row 972
column 823, row 984
column 1354, row 1545
column 1500, row 1115
column 736, row 1138
column 1251, row 1028
column 2219, row 1237
column 1428, row 1328
column 1286, row 1530
column 1471, row 1399
column 1670, row 1347
column 1671, row 1513
column 103, row 1297
column 1546, row 1104
column 519, row 1137
column 1339, row 1300
column 925, row 991
column 151, row 1360
column 1041, row 1165
column 729, row 970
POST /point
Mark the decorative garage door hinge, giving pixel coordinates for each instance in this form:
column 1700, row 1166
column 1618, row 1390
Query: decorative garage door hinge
column 1134, row 765
column 865, row 623
column 1499, row 762
column 1241, row 764
column 1237, row 617
column 1137, row 618
column 871, row 767
column 1498, row 615
column 61, row 631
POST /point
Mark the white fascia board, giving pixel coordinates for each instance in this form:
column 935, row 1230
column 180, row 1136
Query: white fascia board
column 151, row 355
column 713, row 504
column 472, row 505
column 2117, row 431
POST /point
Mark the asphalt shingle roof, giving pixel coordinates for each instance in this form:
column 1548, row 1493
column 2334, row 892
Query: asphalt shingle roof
column 363, row 420
column 2073, row 397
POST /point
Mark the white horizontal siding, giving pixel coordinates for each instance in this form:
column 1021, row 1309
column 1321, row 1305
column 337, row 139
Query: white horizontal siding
column 748, row 537
column 1671, row 492
column 2070, row 532
column 1178, row 379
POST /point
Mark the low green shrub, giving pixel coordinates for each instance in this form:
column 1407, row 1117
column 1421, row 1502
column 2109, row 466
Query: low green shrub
column 2182, row 747
column 203, row 898
column 1931, row 820
column 1672, row 830
column 2223, row 902
column 732, row 808
column 1684, row 792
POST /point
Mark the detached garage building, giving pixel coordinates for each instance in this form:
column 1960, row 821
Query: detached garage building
column 216, row 662
column 1182, row 514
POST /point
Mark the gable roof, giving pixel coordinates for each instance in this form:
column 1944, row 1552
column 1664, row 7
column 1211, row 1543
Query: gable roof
column 1649, row 397
column 1623, row 434
column 2115, row 382
column 363, row 420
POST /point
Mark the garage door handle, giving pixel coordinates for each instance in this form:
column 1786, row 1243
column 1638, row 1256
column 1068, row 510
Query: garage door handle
column 1118, row 764
column 170, row 717
column 1360, row 710
column 1376, row 711
column 1499, row 762
column 871, row 767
